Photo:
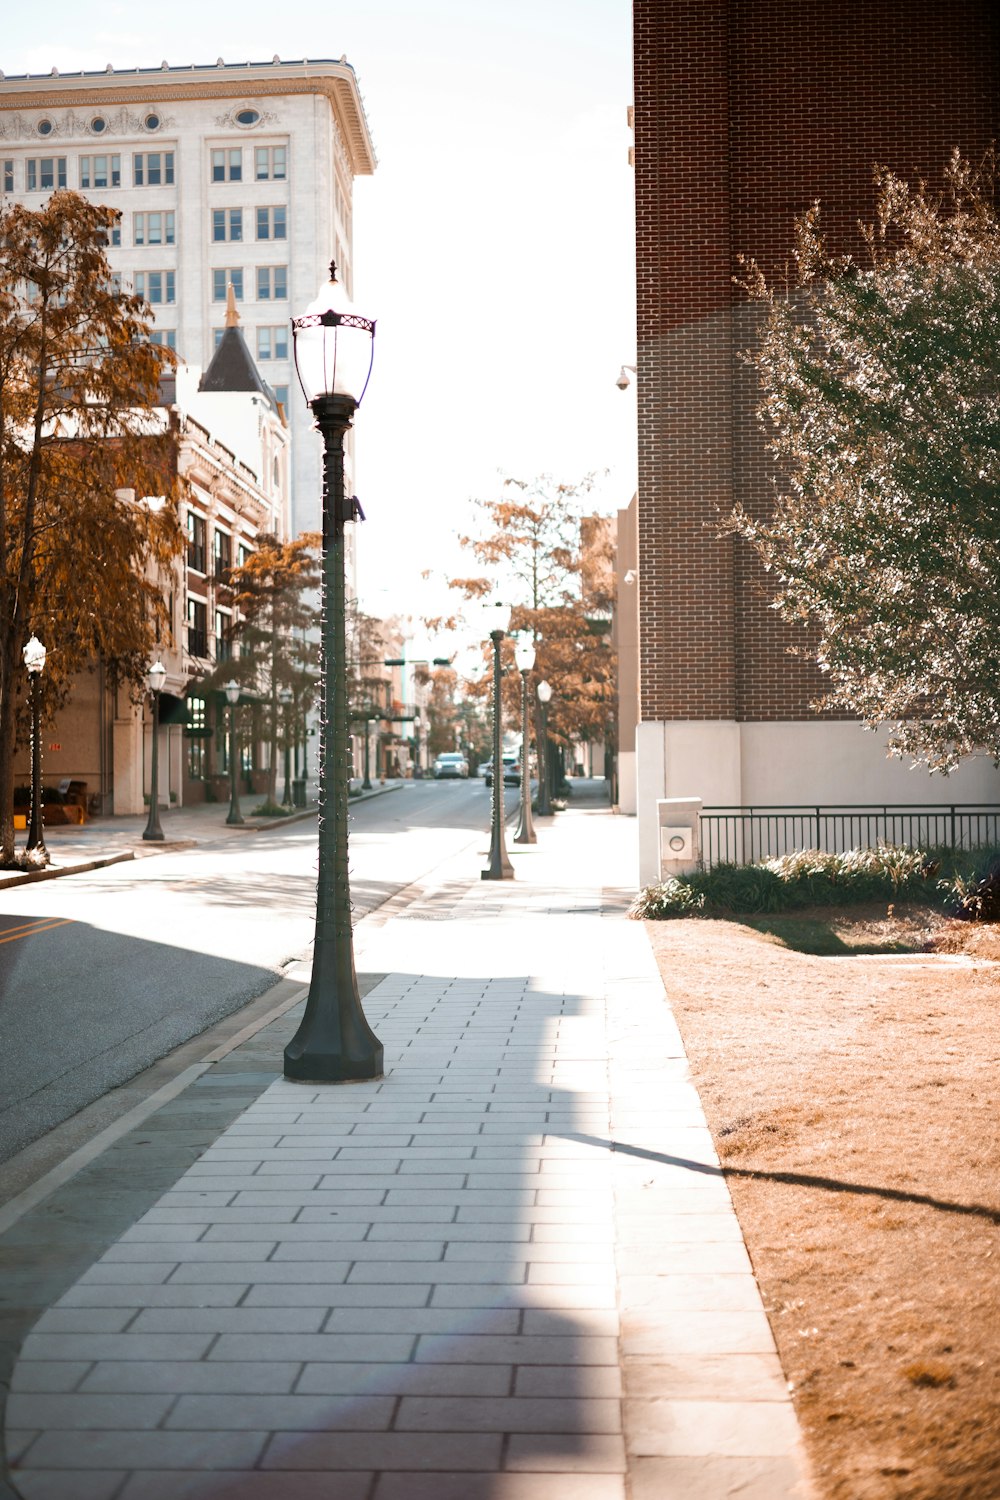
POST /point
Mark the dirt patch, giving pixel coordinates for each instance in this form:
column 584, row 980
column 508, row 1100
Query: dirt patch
column 851, row 1094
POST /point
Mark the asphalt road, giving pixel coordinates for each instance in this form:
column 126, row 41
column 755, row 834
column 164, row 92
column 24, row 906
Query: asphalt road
column 101, row 974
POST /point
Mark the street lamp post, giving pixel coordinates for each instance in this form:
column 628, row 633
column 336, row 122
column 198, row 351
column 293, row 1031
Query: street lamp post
column 155, row 678
column 366, row 785
column 34, row 660
column 500, row 867
column 285, row 699
column 333, row 358
column 524, row 656
column 232, row 691
column 544, row 804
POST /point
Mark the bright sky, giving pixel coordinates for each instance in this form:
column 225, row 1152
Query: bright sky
column 494, row 244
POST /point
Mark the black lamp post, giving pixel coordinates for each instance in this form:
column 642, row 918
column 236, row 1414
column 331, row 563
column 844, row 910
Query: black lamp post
column 34, row 660
column 285, row 699
column 500, row 867
column 524, row 656
column 366, row 785
column 232, row 691
column 155, row 678
column 333, row 358
column 544, row 804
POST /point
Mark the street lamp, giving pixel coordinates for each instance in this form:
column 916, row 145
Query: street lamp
column 232, row 691
column 366, row 785
column 285, row 699
column 34, row 661
column 155, row 678
column 544, row 692
column 524, row 656
column 497, row 621
column 333, row 358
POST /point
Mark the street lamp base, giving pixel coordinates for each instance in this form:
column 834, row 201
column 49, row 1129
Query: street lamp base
column 334, row 1042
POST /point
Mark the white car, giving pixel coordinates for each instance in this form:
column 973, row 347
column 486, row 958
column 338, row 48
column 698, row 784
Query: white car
column 451, row 763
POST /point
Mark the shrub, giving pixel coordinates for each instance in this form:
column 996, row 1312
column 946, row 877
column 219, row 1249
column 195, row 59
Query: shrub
column 791, row 882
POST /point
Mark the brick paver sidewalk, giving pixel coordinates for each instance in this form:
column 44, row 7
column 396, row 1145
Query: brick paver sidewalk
column 433, row 1287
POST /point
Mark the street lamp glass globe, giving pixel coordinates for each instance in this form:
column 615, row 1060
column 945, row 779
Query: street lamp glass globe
column 544, row 692
column 496, row 618
column 524, row 653
column 332, row 345
column 232, row 691
column 156, row 676
column 285, row 696
column 34, row 655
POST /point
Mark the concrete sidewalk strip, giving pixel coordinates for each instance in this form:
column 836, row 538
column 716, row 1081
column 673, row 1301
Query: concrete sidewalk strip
column 508, row 1271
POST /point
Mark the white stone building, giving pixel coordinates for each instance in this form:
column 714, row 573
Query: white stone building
column 235, row 173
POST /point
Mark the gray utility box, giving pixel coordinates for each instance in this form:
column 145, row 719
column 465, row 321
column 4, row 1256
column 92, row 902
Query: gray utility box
column 678, row 820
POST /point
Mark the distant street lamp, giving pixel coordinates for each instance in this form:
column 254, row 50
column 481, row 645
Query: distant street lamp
column 285, row 699
column 524, row 656
column 544, row 692
column 366, row 785
column 155, row 678
column 34, row 660
column 333, row 358
column 232, row 691
column 497, row 620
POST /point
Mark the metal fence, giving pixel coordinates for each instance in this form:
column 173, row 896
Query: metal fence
column 743, row 835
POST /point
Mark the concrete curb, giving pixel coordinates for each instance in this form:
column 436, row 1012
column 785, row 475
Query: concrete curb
column 30, row 876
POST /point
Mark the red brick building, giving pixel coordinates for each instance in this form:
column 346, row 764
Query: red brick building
column 744, row 114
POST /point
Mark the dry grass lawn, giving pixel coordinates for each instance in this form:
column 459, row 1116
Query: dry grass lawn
column 852, row 1093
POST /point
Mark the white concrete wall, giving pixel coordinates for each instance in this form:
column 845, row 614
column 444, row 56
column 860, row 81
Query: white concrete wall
column 784, row 765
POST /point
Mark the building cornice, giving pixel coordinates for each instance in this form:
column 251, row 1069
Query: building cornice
column 336, row 82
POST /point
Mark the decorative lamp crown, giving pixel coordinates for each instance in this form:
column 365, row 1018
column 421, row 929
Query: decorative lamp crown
column 496, row 617
column 524, row 653
column 34, row 655
column 333, row 345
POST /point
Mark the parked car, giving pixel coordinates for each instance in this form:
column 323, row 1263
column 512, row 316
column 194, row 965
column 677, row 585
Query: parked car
column 450, row 763
column 511, row 771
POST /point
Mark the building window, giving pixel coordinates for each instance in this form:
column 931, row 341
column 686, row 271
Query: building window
column 98, row 125
column 42, row 173
column 222, row 554
column 223, row 634
column 281, row 394
column 272, row 343
column 100, row 171
column 245, row 554
column 152, row 122
column 196, row 543
column 271, row 163
column 155, row 286
column 217, row 335
column 44, row 127
column 221, row 277
column 227, row 224
column 152, row 168
column 8, row 176
column 272, row 283
column 197, row 641
column 153, row 229
column 116, row 233
column 227, row 166
column 196, row 719
column 271, row 224
column 167, row 336
column 248, row 117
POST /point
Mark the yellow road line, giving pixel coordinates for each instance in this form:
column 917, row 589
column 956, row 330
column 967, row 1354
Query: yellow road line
column 30, row 930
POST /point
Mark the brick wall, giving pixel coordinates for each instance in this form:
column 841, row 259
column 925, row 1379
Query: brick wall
column 744, row 113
